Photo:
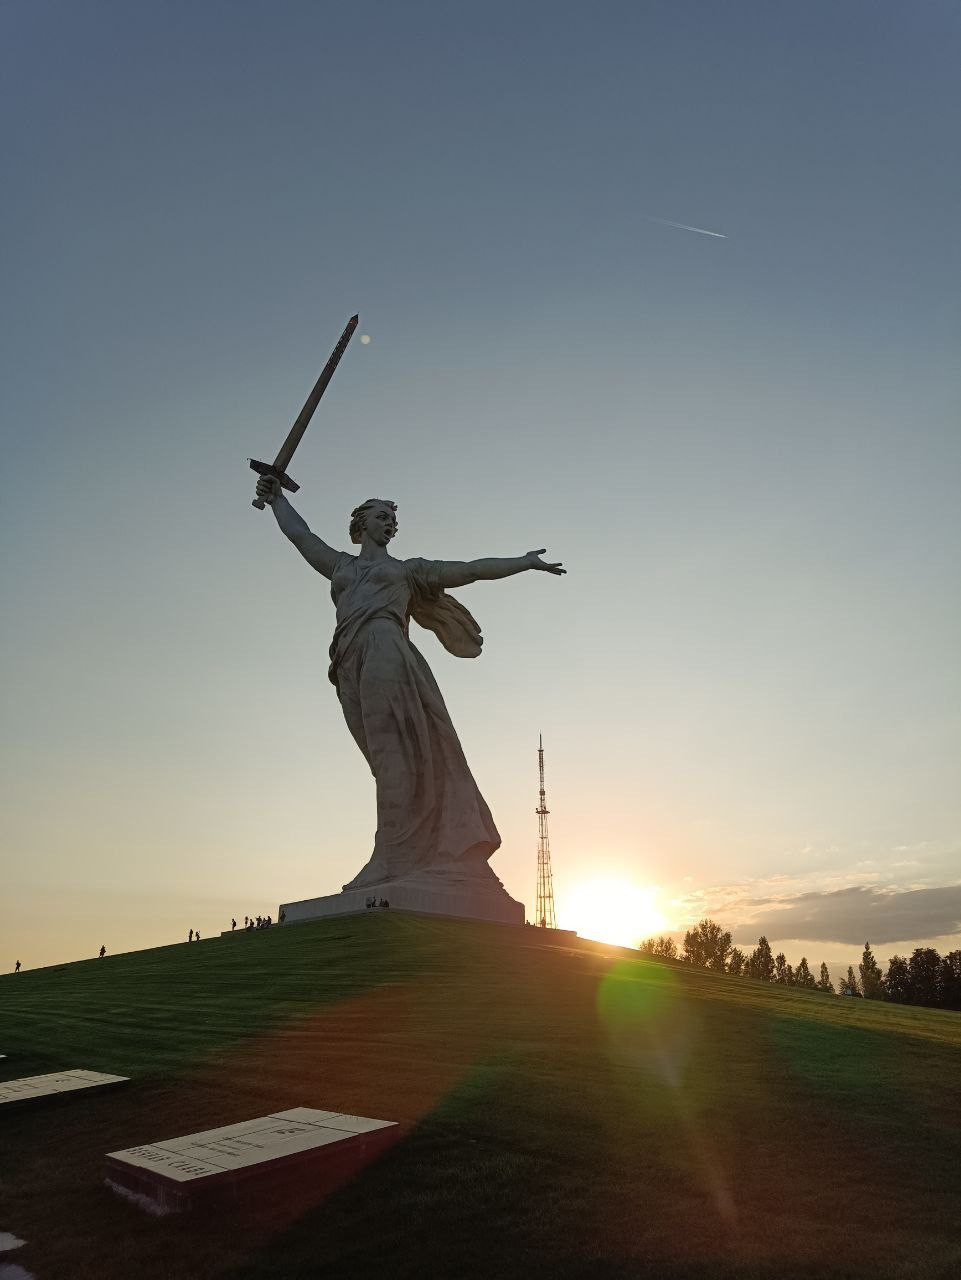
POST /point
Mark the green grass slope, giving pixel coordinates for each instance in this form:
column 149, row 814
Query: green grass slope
column 566, row 1111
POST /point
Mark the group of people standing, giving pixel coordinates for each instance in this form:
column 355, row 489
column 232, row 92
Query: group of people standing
column 259, row 922
column 250, row 922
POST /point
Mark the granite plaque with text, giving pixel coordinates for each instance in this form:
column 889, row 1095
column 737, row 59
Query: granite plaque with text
column 172, row 1174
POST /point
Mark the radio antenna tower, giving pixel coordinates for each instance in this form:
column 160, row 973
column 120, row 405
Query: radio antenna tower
column 545, row 883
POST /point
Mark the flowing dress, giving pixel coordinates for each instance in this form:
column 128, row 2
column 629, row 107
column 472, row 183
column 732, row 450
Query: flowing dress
column 431, row 818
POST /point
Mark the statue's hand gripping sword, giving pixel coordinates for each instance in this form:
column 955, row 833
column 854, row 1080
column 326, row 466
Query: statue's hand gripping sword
column 278, row 468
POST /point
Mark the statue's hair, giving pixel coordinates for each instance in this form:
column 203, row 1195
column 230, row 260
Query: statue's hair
column 358, row 517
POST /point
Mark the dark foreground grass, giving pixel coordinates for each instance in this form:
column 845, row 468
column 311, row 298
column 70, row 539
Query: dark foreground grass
column 566, row 1111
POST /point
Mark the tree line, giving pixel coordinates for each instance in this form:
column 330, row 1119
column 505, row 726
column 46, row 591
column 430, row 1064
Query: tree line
column 926, row 978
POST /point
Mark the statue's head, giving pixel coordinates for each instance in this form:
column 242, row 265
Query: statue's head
column 377, row 517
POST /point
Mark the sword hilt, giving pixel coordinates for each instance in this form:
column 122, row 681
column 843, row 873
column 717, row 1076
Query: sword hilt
column 269, row 469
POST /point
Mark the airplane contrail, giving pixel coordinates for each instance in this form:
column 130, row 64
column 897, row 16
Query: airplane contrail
column 682, row 226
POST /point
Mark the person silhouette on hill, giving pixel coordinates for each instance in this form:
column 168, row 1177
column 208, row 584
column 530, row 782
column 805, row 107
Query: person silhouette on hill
column 16, row 967
column 190, row 936
column 103, row 952
column 233, row 925
column 196, row 935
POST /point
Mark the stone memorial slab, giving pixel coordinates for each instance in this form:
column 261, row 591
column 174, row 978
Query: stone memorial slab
column 32, row 1088
column 10, row 1271
column 173, row 1174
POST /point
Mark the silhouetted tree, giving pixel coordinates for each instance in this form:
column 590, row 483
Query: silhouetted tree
column 824, row 983
column 707, row 946
column 897, row 980
column 661, row 946
column 951, row 980
column 781, row 968
column 872, row 983
column 736, row 961
column 760, row 963
column 849, row 985
column 924, row 976
column 803, row 977
column 927, row 978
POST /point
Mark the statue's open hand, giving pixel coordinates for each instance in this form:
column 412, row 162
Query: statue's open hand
column 534, row 561
column 268, row 489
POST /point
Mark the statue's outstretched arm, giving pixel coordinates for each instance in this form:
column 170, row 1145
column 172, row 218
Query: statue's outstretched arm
column 458, row 573
column 314, row 550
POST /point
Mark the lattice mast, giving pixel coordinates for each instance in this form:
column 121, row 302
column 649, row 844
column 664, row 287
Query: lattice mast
column 545, row 883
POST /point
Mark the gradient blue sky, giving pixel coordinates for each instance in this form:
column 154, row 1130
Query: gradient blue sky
column 746, row 450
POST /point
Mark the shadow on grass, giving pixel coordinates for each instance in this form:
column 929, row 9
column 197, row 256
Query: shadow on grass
column 893, row 1093
column 153, row 1012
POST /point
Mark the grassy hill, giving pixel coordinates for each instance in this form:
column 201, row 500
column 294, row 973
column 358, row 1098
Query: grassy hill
column 568, row 1110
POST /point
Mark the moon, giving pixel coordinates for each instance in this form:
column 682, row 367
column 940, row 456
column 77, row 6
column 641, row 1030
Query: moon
column 365, row 338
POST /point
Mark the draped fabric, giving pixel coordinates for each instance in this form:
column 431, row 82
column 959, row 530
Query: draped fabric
column 454, row 627
column 430, row 814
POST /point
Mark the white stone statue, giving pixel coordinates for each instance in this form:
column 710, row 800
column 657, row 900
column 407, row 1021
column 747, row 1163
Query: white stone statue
column 433, row 825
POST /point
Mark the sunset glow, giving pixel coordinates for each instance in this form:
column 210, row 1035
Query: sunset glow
column 612, row 910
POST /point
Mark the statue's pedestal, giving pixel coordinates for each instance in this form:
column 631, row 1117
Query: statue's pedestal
column 481, row 900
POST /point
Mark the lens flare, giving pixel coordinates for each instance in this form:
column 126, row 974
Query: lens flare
column 646, row 1016
column 652, row 1037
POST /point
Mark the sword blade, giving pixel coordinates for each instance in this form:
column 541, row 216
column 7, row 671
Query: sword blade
column 296, row 432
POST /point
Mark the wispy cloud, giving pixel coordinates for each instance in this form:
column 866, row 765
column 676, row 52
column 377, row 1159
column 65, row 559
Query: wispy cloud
column 899, row 901
column 683, row 226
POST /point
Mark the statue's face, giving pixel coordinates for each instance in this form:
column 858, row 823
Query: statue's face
column 380, row 525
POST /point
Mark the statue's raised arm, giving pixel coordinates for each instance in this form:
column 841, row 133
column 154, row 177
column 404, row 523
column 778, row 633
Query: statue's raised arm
column 314, row 550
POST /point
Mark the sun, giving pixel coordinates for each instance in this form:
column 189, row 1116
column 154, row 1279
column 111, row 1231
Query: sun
column 612, row 910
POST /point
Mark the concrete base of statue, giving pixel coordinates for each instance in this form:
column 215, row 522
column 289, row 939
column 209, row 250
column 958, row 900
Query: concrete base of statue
column 430, row 893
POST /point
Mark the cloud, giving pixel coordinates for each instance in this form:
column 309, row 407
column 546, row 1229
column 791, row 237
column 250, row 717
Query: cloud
column 857, row 914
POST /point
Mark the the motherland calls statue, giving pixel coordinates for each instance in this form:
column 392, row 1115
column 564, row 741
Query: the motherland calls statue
column 434, row 829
